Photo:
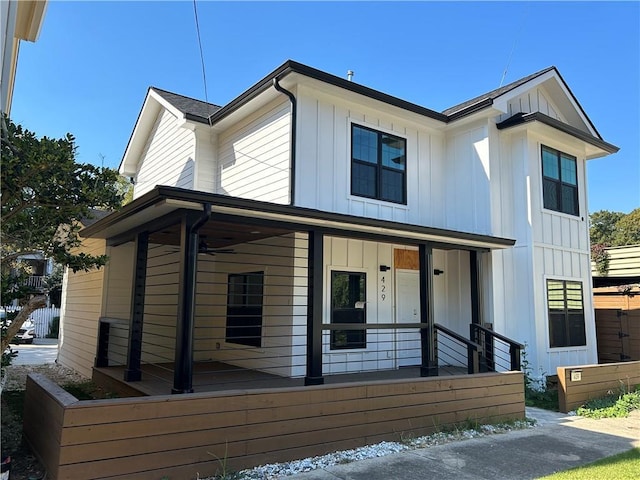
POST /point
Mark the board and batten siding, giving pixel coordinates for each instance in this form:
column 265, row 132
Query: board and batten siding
column 168, row 158
column 81, row 309
column 323, row 162
column 254, row 155
column 549, row 245
column 560, row 252
column 467, row 190
column 534, row 100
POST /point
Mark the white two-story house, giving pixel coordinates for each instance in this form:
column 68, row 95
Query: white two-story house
column 314, row 227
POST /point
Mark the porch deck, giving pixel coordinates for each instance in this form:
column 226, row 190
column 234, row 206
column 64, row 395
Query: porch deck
column 157, row 379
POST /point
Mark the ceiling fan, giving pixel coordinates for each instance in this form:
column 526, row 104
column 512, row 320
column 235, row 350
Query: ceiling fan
column 203, row 247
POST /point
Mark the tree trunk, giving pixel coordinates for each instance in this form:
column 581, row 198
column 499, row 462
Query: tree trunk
column 32, row 305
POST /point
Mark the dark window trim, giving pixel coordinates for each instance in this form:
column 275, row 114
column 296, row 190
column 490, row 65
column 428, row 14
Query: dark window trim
column 379, row 166
column 559, row 183
column 233, row 330
column 566, row 312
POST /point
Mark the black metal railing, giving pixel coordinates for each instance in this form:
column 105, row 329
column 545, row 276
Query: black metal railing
column 454, row 351
column 499, row 352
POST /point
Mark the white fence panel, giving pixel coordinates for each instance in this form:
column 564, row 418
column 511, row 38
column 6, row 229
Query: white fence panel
column 41, row 318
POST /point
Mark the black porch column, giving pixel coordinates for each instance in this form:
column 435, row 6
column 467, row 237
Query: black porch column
column 429, row 366
column 183, row 365
column 474, row 271
column 315, row 267
column 134, row 350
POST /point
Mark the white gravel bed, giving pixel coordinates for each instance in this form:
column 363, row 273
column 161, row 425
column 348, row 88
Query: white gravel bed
column 278, row 470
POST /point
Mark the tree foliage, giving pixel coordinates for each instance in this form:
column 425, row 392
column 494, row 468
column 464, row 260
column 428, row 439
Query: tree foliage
column 603, row 227
column 44, row 193
column 628, row 229
column 614, row 229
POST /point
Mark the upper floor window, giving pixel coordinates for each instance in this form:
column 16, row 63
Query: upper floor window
column 378, row 165
column 566, row 314
column 559, row 181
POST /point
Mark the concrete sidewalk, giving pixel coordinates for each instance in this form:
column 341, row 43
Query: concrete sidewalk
column 41, row 351
column 558, row 442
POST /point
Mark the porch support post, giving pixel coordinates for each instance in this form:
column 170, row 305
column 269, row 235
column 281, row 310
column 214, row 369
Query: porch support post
column 475, row 271
column 183, row 364
column 429, row 366
column 136, row 317
column 315, row 267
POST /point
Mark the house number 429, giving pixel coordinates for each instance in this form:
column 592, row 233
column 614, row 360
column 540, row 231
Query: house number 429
column 383, row 288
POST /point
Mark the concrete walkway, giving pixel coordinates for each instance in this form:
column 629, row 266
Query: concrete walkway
column 41, row 351
column 558, row 442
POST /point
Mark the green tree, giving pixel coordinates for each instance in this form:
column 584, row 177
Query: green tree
column 602, row 228
column 627, row 230
column 44, row 193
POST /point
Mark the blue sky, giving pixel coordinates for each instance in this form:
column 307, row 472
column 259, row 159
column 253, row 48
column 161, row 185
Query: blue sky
column 90, row 68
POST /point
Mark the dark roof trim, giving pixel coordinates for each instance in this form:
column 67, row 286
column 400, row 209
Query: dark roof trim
column 291, row 66
column 163, row 192
column 522, row 118
column 486, row 99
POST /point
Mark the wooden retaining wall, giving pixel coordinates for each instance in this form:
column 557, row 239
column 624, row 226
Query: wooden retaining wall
column 185, row 436
column 595, row 382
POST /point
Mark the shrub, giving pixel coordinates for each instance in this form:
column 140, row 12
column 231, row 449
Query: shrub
column 54, row 328
column 611, row 406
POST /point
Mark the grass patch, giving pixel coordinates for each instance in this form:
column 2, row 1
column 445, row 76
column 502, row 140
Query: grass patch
column 611, row 406
column 624, row 466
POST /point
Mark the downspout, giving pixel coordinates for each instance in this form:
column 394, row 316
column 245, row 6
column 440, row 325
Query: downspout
column 294, row 116
column 183, row 371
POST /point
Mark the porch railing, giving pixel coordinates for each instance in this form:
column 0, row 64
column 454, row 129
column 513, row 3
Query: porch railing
column 500, row 352
column 454, row 351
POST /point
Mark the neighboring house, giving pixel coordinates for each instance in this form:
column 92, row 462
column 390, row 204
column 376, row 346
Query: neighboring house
column 314, row 226
column 616, row 298
column 39, row 268
column 21, row 20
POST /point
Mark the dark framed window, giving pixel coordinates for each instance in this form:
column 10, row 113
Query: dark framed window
column 566, row 314
column 244, row 308
column 378, row 165
column 348, row 297
column 559, row 181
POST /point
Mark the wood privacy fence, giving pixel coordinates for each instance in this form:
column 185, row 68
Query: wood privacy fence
column 578, row 384
column 186, row 436
column 618, row 335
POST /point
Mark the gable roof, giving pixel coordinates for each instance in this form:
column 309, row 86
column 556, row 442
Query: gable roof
column 208, row 113
column 191, row 108
column 486, row 99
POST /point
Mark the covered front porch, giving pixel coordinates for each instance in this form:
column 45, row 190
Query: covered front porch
column 210, row 293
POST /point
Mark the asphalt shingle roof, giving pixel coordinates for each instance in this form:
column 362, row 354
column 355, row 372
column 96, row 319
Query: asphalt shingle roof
column 493, row 94
column 187, row 105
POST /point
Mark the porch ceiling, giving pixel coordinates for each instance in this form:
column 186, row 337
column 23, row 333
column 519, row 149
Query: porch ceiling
column 219, row 234
column 236, row 220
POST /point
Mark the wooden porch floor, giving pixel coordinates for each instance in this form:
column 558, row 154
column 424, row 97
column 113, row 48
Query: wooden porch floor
column 157, row 379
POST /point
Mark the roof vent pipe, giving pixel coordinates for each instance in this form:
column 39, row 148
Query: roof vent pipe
column 350, row 75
